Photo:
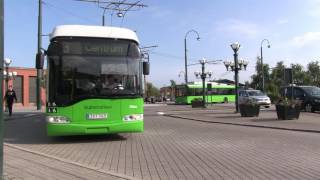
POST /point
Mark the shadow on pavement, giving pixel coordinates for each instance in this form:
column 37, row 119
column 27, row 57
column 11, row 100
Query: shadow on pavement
column 32, row 130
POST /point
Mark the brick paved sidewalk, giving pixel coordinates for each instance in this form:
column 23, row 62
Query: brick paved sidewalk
column 22, row 164
column 309, row 122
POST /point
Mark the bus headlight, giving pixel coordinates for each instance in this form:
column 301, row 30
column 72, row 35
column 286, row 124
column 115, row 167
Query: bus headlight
column 57, row 119
column 133, row 117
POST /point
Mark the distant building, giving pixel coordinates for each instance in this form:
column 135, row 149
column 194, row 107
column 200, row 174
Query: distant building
column 24, row 85
column 167, row 92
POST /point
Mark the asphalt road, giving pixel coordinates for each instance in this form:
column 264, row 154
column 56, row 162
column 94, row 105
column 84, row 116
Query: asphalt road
column 172, row 148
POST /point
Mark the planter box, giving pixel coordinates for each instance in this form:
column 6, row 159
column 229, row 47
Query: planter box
column 196, row 104
column 286, row 112
column 249, row 110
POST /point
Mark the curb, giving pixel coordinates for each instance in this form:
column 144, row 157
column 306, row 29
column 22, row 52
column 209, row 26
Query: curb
column 71, row 162
column 245, row 125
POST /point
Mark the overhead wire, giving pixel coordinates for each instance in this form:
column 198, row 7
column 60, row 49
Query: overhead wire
column 61, row 9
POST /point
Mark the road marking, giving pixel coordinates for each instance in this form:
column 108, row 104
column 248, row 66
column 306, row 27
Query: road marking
column 160, row 113
column 28, row 115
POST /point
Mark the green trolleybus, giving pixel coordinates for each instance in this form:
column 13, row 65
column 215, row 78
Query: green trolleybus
column 94, row 83
column 218, row 92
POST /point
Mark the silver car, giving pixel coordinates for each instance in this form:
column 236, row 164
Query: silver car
column 256, row 95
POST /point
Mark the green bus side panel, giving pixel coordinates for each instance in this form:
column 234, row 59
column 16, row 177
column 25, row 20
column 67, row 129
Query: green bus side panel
column 209, row 99
column 115, row 109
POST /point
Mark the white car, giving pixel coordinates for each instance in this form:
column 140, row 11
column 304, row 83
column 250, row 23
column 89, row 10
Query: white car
column 256, row 95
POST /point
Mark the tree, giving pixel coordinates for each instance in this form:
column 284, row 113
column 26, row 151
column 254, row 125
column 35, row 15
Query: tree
column 300, row 76
column 257, row 78
column 314, row 73
column 152, row 90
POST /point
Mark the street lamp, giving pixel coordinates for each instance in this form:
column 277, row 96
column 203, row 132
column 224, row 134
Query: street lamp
column 181, row 73
column 203, row 75
column 185, row 53
column 262, row 71
column 8, row 75
column 236, row 66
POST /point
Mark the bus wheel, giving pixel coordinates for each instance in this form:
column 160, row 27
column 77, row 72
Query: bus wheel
column 225, row 100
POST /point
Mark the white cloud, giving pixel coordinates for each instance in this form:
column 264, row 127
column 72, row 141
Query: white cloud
column 234, row 26
column 313, row 8
column 307, row 38
column 282, row 21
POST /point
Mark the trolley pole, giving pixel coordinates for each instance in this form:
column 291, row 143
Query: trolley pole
column 1, row 86
column 39, row 51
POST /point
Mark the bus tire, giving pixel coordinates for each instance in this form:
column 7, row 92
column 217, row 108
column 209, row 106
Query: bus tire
column 225, row 100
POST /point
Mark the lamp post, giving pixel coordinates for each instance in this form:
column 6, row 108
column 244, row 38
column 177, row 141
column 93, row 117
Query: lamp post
column 181, row 74
column 203, row 75
column 185, row 53
column 6, row 73
column 262, row 71
column 236, row 66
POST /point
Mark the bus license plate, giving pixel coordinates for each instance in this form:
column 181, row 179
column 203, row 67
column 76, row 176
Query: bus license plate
column 97, row 116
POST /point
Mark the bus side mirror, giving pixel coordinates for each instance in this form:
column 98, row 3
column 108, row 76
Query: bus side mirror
column 146, row 68
column 39, row 60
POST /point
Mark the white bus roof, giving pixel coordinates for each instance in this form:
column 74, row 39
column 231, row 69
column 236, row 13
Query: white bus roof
column 93, row 31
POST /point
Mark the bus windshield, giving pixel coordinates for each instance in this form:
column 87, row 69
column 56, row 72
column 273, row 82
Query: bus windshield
column 81, row 69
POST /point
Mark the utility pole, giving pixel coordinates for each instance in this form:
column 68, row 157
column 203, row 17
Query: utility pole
column 39, row 71
column 1, row 86
column 145, row 55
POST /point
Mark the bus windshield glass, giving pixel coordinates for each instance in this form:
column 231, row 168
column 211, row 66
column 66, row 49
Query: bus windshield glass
column 93, row 68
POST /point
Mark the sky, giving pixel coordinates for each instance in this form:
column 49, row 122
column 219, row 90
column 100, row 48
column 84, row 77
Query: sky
column 291, row 26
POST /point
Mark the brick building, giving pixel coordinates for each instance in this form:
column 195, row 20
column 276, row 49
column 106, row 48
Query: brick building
column 24, row 85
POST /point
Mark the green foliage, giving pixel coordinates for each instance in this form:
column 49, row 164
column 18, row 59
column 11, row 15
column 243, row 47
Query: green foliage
column 257, row 78
column 152, row 90
column 289, row 102
column 275, row 79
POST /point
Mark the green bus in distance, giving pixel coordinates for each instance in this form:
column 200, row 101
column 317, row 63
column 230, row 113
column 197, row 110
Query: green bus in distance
column 94, row 82
column 219, row 93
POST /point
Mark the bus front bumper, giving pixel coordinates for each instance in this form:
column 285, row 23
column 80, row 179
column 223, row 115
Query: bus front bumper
column 84, row 129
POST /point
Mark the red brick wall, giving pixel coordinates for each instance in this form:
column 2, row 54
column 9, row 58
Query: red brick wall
column 26, row 73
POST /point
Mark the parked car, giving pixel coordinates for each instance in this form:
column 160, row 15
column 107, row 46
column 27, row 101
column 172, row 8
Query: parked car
column 308, row 95
column 259, row 97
